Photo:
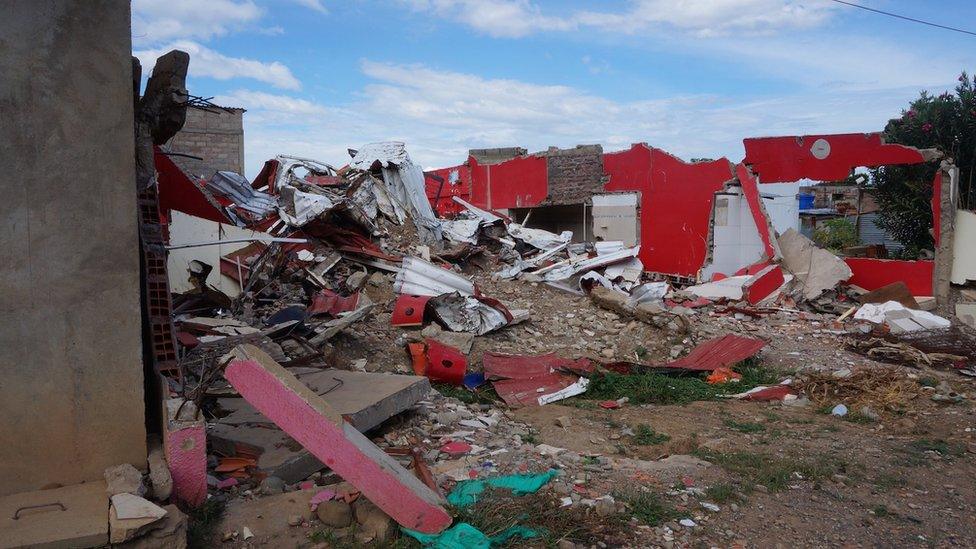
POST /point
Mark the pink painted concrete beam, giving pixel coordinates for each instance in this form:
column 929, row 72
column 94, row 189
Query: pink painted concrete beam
column 301, row 413
column 763, row 284
column 185, row 445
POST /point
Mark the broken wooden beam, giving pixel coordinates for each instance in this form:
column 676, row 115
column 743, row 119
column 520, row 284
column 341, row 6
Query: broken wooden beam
column 307, row 418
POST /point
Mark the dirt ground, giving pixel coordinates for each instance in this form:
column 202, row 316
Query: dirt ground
column 772, row 474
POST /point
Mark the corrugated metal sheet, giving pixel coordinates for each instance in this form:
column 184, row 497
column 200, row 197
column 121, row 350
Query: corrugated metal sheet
column 720, row 352
column 872, row 234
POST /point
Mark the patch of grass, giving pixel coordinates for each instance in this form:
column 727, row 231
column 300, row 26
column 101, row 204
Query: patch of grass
column 658, row 388
column 886, row 481
column 939, row 446
column 645, row 436
column 773, row 472
column 202, row 524
column 648, row 507
column 496, row 510
column 745, row 426
column 723, row 492
column 580, row 403
column 858, row 417
column 482, row 395
column 881, row 511
column 928, row 382
column 640, row 351
column 530, row 438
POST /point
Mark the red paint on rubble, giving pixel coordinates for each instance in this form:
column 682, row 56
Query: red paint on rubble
column 791, row 158
column 267, row 176
column 328, row 302
column 445, row 364
column 872, row 274
column 441, row 193
column 517, row 183
column 178, row 192
column 675, row 204
column 776, row 392
column 763, row 283
column 750, row 188
column 409, row 310
column 521, row 379
column 719, row 352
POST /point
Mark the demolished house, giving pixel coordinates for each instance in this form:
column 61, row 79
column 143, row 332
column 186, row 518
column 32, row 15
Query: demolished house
column 254, row 293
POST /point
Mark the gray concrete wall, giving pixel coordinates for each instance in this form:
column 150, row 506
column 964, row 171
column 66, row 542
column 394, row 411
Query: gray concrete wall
column 71, row 379
column 216, row 137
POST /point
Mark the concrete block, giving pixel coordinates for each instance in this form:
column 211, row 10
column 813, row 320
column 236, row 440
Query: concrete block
column 124, row 478
column 72, row 392
column 305, row 416
column 72, row 516
column 902, row 325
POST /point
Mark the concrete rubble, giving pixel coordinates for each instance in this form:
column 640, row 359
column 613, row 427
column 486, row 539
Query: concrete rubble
column 347, row 350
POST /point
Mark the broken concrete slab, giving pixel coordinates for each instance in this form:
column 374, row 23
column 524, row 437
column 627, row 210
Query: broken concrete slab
column 763, row 284
column 169, row 533
column 726, row 288
column 131, row 516
column 123, row 478
column 462, row 341
column 72, row 516
column 160, row 478
column 966, row 313
column 816, row 270
column 364, row 399
column 896, row 291
column 304, row 415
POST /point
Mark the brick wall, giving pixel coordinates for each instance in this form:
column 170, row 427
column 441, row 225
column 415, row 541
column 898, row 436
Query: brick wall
column 574, row 175
column 217, row 137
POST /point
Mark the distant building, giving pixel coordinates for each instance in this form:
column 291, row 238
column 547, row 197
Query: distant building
column 216, row 135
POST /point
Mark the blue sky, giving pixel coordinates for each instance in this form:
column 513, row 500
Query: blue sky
column 690, row 76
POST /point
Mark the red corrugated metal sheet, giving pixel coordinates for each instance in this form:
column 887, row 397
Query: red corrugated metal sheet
column 718, row 353
column 329, row 302
column 521, row 379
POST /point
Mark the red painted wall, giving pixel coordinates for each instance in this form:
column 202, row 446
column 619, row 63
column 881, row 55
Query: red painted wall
column 516, row 183
column 676, row 204
column 872, row 274
column 444, row 205
column 179, row 192
column 787, row 159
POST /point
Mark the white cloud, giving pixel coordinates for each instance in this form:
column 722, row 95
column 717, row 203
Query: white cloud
column 498, row 18
column 273, row 108
column 207, row 62
column 517, row 18
column 441, row 114
column 155, row 21
column 315, row 5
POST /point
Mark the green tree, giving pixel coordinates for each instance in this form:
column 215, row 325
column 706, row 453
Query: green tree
column 836, row 234
column 946, row 122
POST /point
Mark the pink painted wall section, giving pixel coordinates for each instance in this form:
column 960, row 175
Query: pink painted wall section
column 872, row 274
column 516, row 183
column 675, row 206
column 821, row 157
column 937, row 207
column 306, row 417
column 185, row 445
column 750, row 188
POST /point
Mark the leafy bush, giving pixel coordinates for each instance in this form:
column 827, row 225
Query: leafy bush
column 836, row 234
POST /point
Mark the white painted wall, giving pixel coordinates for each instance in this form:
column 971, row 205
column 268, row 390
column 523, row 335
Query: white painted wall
column 781, row 205
column 735, row 240
column 187, row 229
column 963, row 251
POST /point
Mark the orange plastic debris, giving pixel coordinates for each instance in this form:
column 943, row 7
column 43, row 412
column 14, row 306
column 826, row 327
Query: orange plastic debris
column 723, row 375
column 419, row 356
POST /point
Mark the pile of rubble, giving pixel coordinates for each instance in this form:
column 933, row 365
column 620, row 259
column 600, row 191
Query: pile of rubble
column 358, row 250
